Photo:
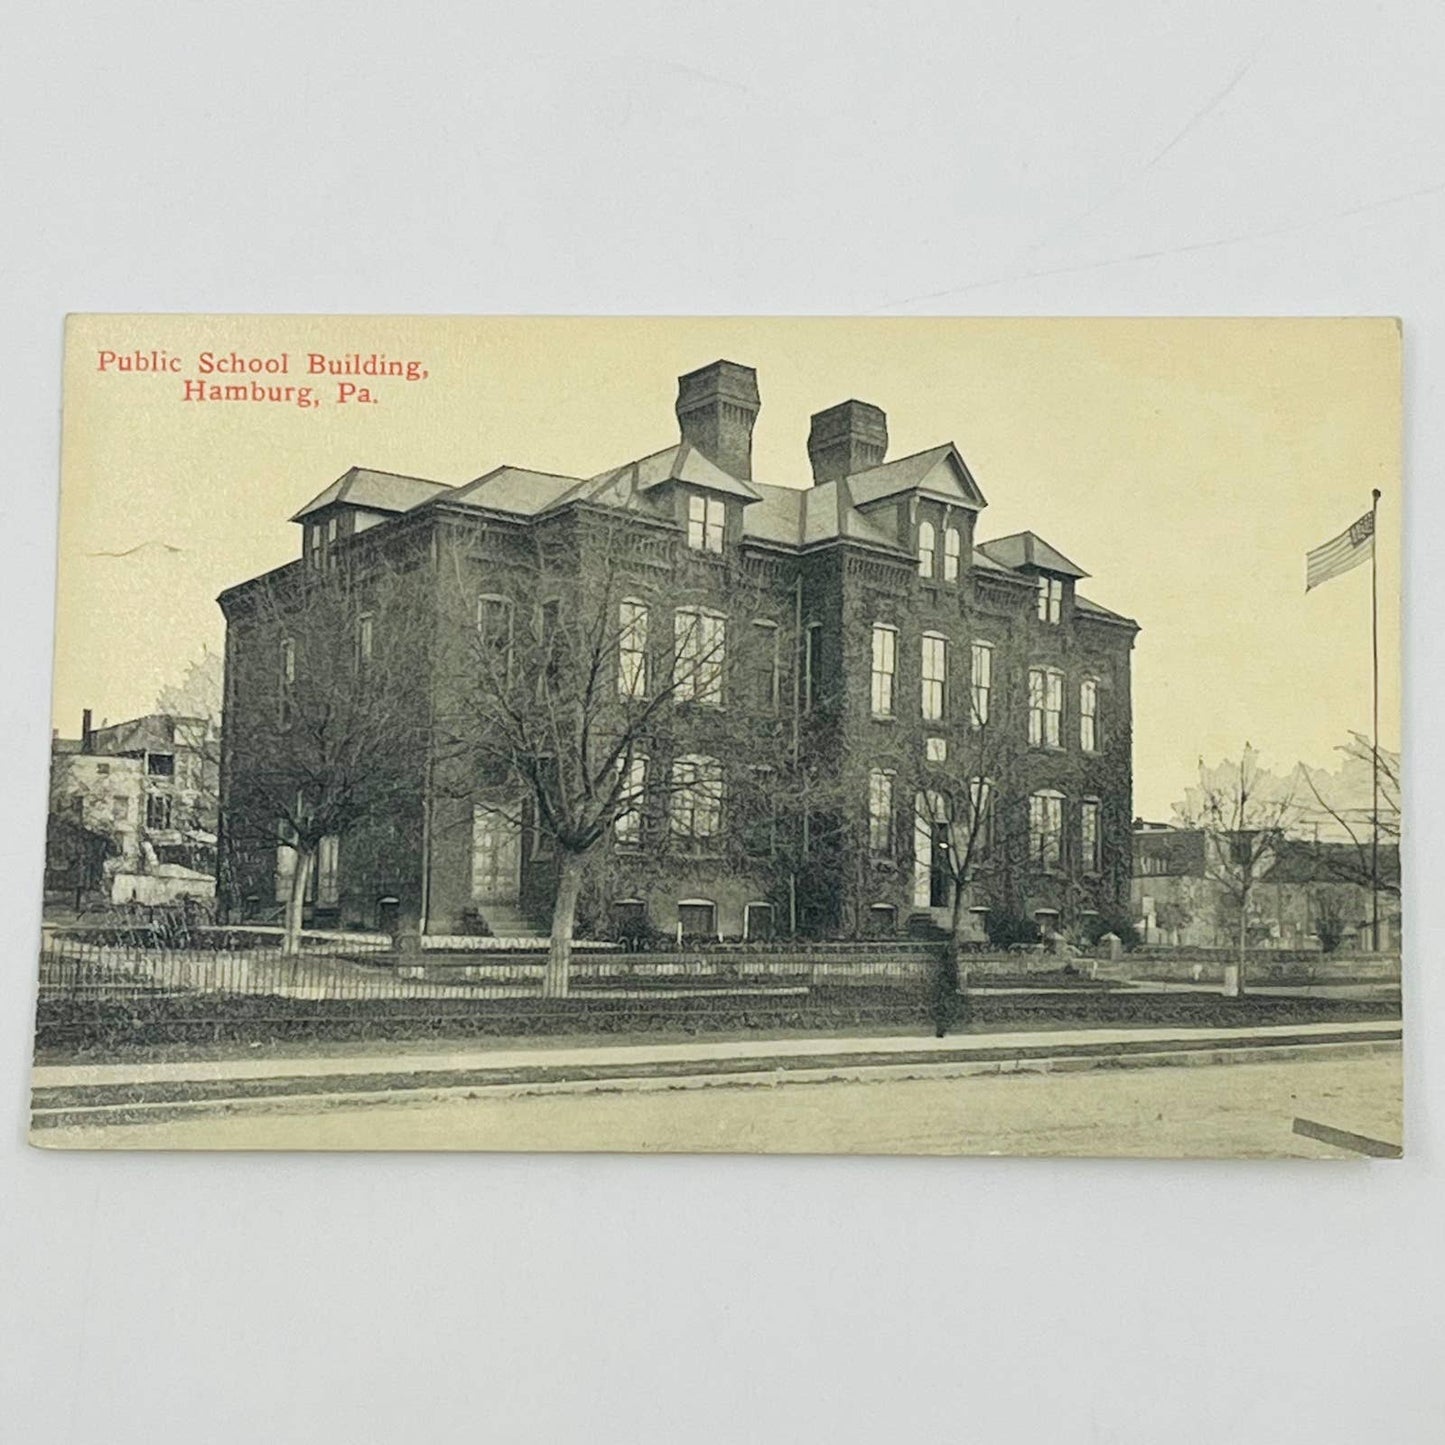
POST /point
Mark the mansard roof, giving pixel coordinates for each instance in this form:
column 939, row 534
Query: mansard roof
column 940, row 473
column 375, row 491
column 1028, row 549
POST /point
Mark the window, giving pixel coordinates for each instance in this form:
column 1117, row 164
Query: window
column 885, row 655
column 980, row 804
column 705, row 521
column 926, row 543
column 158, row 811
column 882, row 919
column 1051, row 598
column 765, row 665
column 120, row 809
column 1046, row 707
column 161, row 765
column 701, row 640
column 758, row 922
column 982, row 683
column 1089, row 715
column 935, row 750
column 627, row 826
column 632, row 648
column 696, row 918
column 880, row 813
column 315, row 543
column 1046, row 829
column 1089, row 839
column 102, row 770
column 494, row 639
column 365, row 635
column 284, row 700
column 812, row 665
column 697, row 797
column 952, row 551
column 935, row 671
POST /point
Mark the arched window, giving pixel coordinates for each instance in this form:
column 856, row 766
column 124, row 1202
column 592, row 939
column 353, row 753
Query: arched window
column 952, row 552
column 926, row 545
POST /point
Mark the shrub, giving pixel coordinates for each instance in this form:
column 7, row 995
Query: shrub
column 1121, row 926
column 1007, row 929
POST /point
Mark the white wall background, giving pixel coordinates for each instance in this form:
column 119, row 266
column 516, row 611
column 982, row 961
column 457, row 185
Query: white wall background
column 910, row 157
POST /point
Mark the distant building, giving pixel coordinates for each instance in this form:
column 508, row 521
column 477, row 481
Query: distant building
column 873, row 629
column 133, row 800
column 1305, row 889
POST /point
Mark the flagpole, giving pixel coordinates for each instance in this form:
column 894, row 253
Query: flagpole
column 1375, row 723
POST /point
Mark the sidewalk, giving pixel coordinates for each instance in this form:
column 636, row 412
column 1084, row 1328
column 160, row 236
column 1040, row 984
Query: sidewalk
column 214, row 1081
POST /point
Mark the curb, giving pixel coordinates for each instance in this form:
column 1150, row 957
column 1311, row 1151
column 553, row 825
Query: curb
column 73, row 1113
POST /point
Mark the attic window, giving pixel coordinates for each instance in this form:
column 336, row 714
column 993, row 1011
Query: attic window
column 926, row 545
column 705, row 521
column 952, row 551
column 1051, row 598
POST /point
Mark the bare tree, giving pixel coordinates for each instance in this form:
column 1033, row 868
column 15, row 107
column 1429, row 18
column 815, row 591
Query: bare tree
column 328, row 722
column 591, row 682
column 1347, row 801
column 1245, row 814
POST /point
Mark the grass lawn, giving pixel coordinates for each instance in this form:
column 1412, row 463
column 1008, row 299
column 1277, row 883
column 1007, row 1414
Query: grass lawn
column 200, row 1028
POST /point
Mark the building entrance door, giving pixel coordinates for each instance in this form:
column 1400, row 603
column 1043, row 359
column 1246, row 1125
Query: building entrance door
column 496, row 853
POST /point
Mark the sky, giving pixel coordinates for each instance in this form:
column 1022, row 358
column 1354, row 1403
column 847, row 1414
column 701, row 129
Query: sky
column 1186, row 465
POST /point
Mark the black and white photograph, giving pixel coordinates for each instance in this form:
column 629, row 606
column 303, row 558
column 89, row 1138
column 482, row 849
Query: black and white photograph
column 752, row 790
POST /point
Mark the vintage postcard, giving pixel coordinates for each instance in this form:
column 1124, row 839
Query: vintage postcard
column 714, row 734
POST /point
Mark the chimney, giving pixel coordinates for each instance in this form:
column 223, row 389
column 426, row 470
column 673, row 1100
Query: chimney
column 716, row 408
column 87, row 741
column 847, row 438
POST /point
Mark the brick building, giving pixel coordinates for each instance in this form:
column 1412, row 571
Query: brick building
column 867, row 656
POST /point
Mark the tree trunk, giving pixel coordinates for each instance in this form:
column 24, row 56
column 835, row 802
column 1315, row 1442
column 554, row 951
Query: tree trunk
column 296, row 902
column 1234, row 977
column 556, row 980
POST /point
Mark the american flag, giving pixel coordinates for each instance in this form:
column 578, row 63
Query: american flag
column 1353, row 546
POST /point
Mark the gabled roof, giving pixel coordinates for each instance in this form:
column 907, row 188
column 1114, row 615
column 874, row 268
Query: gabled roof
column 1028, row 549
column 376, row 491
column 940, row 472
column 512, row 489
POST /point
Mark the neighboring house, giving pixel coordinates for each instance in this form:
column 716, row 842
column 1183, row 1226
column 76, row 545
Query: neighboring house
column 875, row 630
column 1303, row 886
column 134, row 799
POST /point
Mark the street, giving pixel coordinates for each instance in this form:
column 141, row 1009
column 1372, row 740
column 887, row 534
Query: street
column 1238, row 1110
